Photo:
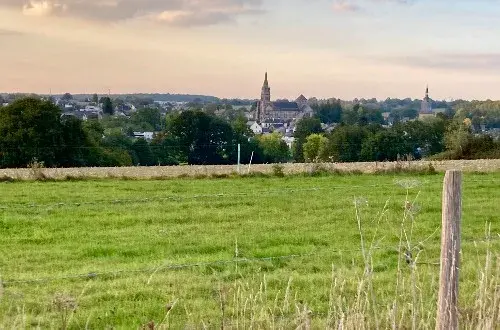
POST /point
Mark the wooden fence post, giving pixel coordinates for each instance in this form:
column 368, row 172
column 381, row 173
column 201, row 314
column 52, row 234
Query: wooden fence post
column 447, row 310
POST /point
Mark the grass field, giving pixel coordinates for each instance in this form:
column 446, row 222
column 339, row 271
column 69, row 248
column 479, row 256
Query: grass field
column 187, row 253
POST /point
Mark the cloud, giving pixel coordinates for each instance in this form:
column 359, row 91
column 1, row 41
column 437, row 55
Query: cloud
column 483, row 62
column 345, row 6
column 8, row 33
column 174, row 12
column 358, row 5
column 43, row 8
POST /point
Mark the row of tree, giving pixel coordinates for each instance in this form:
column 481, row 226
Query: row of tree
column 437, row 138
column 31, row 129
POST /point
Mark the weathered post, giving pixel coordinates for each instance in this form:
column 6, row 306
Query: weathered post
column 239, row 158
column 250, row 164
column 447, row 311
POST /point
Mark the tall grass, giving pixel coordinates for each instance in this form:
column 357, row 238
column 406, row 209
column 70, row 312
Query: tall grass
column 355, row 297
column 353, row 302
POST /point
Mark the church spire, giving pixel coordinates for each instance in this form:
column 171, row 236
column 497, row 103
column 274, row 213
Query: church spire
column 266, row 83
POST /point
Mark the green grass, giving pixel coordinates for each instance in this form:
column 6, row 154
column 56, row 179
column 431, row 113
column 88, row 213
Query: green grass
column 52, row 230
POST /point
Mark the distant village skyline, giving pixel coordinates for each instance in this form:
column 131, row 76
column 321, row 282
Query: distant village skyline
column 256, row 97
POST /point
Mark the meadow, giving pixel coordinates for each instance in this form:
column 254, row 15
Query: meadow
column 312, row 252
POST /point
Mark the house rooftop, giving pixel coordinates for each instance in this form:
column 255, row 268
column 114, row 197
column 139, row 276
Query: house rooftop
column 301, row 98
column 286, row 106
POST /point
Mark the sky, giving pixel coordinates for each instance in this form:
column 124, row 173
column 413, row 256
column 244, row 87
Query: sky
column 323, row 48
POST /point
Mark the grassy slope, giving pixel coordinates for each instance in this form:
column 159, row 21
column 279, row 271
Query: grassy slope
column 267, row 217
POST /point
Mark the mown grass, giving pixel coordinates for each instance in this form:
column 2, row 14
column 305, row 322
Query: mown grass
column 111, row 228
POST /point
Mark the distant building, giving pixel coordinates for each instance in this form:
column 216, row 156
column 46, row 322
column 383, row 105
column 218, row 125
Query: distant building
column 426, row 105
column 289, row 140
column 255, row 127
column 145, row 135
column 281, row 110
column 91, row 108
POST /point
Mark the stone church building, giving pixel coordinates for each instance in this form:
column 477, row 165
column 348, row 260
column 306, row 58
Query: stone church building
column 280, row 110
column 426, row 106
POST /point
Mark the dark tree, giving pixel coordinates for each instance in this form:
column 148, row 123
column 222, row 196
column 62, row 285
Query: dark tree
column 143, row 153
column 107, row 105
column 75, row 150
column 329, row 112
column 29, row 129
column 67, row 97
column 203, row 139
column 166, row 150
column 345, row 143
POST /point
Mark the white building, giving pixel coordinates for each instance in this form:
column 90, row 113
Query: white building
column 256, row 128
column 289, row 140
column 145, row 135
column 91, row 108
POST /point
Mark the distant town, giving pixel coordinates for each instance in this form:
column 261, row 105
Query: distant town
column 263, row 115
column 339, row 130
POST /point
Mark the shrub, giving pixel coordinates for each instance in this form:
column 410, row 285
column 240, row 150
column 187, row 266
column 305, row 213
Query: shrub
column 278, row 170
column 36, row 169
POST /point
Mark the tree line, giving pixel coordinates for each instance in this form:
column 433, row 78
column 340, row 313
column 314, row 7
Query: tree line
column 34, row 129
column 360, row 136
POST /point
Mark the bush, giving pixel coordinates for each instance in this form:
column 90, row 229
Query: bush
column 36, row 169
column 278, row 170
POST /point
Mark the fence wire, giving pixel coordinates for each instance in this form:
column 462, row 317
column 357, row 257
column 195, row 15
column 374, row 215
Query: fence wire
column 400, row 250
column 404, row 184
column 166, row 267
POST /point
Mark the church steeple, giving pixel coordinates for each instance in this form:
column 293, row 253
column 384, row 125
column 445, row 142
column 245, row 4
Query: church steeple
column 265, row 100
column 426, row 105
column 265, row 95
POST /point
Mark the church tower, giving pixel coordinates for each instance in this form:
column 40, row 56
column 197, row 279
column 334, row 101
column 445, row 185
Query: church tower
column 265, row 100
column 265, row 95
column 426, row 106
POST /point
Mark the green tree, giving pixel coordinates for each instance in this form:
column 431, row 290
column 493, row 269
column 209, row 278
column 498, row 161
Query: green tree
column 457, row 136
column 111, row 150
column 148, row 119
column 329, row 112
column 274, row 149
column 76, row 147
column 166, row 149
column 145, row 156
column 203, row 139
column 305, row 127
column 345, row 143
column 315, row 148
column 30, row 128
column 95, row 98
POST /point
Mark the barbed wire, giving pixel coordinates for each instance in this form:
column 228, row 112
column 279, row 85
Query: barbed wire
column 164, row 267
column 237, row 260
column 125, row 148
column 404, row 184
column 194, row 197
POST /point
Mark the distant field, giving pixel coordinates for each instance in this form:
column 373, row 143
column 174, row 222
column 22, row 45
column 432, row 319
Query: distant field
column 482, row 166
column 239, row 252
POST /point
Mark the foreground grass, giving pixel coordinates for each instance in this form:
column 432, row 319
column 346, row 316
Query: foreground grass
column 123, row 234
